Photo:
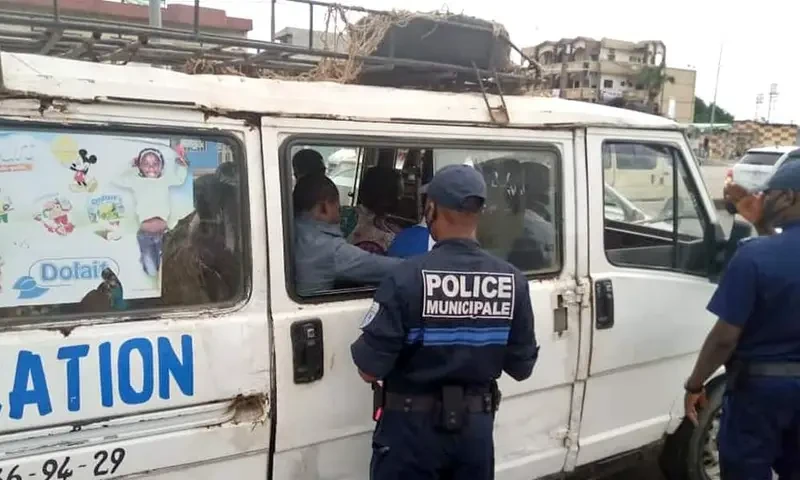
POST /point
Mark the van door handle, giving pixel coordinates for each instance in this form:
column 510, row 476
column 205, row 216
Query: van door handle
column 307, row 350
column 604, row 304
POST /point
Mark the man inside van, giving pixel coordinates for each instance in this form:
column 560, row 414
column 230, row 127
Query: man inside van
column 414, row 240
column 322, row 257
column 307, row 162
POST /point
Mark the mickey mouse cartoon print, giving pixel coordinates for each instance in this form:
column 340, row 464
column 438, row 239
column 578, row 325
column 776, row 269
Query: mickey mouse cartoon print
column 82, row 181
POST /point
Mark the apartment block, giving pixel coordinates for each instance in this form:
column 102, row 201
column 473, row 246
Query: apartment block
column 610, row 71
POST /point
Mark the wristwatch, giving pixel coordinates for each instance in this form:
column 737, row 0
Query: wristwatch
column 693, row 391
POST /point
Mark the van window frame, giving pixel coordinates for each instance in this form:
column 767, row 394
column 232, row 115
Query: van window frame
column 377, row 141
column 66, row 322
column 675, row 236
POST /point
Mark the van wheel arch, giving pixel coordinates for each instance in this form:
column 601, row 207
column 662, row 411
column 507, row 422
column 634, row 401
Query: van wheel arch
column 682, row 457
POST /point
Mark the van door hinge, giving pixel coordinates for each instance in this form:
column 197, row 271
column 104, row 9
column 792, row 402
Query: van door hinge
column 578, row 295
column 567, row 300
column 562, row 435
column 585, row 288
column 572, row 297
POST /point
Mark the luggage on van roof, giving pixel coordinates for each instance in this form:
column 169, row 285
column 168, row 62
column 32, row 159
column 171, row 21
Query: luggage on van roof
column 450, row 39
column 387, row 48
column 441, row 38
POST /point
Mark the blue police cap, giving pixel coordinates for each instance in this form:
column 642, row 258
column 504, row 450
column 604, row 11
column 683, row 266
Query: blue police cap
column 787, row 177
column 454, row 184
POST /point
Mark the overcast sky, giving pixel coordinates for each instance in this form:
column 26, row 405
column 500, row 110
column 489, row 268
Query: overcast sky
column 761, row 38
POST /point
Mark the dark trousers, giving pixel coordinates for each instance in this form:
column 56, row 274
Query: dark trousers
column 150, row 247
column 760, row 430
column 409, row 446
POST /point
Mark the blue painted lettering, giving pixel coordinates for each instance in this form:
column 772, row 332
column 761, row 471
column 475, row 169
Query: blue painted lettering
column 127, row 393
column 106, row 383
column 73, row 354
column 73, row 271
column 182, row 370
column 29, row 371
column 126, row 374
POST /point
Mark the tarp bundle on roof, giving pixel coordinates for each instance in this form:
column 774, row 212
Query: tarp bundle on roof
column 424, row 50
column 451, row 39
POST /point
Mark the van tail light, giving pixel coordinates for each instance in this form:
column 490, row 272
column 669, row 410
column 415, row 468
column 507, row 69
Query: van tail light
column 729, row 176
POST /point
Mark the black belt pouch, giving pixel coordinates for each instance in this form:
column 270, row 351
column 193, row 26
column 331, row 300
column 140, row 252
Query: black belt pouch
column 453, row 408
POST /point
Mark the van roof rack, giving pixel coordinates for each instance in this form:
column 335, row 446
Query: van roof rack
column 194, row 51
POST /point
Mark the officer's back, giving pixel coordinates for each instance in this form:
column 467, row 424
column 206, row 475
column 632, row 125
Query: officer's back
column 461, row 301
column 760, row 290
column 758, row 337
column 442, row 328
column 765, row 299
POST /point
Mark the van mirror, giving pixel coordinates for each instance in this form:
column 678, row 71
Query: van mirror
column 723, row 248
column 726, row 247
column 740, row 230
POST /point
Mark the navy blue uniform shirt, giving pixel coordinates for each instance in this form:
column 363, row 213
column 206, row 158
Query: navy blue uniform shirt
column 456, row 315
column 760, row 292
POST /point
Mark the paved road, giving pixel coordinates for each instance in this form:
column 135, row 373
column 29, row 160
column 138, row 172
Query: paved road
column 714, row 178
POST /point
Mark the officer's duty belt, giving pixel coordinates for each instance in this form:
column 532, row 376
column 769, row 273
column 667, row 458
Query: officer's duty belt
column 773, row 369
column 430, row 403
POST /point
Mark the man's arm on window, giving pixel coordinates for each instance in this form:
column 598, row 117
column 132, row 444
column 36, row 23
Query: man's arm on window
column 353, row 264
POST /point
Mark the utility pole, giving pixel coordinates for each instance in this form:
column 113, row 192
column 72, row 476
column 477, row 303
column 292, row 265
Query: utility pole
column 272, row 21
column 759, row 102
column 716, row 87
column 155, row 13
column 773, row 95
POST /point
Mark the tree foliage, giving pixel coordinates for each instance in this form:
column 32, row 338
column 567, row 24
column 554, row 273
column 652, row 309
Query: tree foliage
column 702, row 113
column 653, row 79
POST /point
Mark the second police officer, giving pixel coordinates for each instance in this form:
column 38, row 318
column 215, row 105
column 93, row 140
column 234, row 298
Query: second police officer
column 441, row 330
column 757, row 337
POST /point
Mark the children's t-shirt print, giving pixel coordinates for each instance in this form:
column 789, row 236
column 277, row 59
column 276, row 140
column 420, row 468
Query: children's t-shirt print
column 150, row 179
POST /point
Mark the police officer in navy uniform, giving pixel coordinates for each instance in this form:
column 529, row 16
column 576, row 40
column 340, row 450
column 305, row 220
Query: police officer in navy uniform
column 442, row 328
column 757, row 337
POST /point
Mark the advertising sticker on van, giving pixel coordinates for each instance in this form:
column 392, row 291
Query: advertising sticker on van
column 88, row 203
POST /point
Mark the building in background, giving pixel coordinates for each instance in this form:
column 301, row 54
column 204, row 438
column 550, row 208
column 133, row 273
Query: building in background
column 172, row 16
column 299, row 37
column 616, row 72
column 730, row 141
column 677, row 96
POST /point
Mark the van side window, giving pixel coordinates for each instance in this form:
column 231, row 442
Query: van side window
column 654, row 219
column 381, row 195
column 631, row 156
column 95, row 222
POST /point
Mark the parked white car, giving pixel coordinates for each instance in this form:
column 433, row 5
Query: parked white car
column 756, row 166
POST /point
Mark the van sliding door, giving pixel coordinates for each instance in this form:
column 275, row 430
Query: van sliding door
column 324, row 420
